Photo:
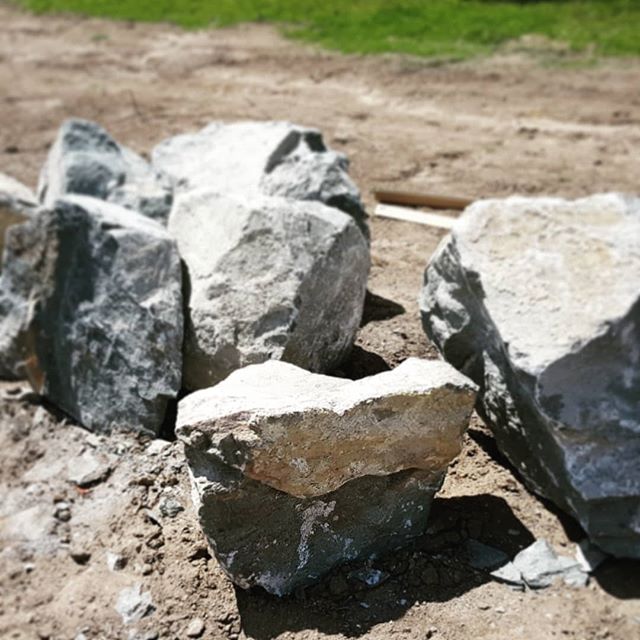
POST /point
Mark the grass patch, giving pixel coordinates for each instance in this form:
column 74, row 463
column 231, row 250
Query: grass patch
column 449, row 28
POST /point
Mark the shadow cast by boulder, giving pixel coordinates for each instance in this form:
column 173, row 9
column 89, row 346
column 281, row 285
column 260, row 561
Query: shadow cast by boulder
column 360, row 364
column 357, row 596
column 377, row 308
column 620, row 577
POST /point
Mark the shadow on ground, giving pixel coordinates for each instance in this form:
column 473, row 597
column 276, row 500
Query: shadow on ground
column 433, row 569
column 377, row 308
column 619, row 577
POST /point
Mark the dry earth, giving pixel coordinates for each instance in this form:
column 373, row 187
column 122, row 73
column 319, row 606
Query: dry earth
column 509, row 124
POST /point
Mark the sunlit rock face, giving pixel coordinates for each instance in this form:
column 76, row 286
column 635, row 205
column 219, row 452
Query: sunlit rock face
column 538, row 301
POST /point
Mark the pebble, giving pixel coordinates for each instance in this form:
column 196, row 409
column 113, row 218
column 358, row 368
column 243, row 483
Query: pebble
column 87, row 469
column 133, row 604
column 80, row 556
column 116, row 561
column 195, row 628
column 170, row 507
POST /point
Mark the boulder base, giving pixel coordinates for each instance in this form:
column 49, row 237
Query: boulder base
column 537, row 300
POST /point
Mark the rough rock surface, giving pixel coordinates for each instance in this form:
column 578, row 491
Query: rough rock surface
column 17, row 204
column 269, row 278
column 95, row 312
column 86, row 160
column 269, row 158
column 537, row 300
column 295, row 472
column 20, row 263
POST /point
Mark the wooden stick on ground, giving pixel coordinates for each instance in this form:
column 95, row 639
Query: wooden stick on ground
column 430, row 200
column 411, row 215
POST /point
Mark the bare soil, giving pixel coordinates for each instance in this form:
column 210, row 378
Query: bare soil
column 493, row 127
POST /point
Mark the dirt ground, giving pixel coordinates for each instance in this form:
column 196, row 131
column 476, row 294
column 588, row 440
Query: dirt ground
column 509, row 124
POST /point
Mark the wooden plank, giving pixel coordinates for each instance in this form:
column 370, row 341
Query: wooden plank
column 411, row 215
column 431, row 200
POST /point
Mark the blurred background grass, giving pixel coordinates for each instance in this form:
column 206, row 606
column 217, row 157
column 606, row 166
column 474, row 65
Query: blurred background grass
column 454, row 29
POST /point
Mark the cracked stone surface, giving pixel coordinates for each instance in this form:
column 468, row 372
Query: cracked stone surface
column 86, row 160
column 268, row 278
column 268, row 158
column 295, row 472
column 94, row 300
column 17, row 204
column 537, row 300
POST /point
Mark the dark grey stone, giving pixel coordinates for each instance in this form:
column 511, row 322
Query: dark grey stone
column 94, row 301
column 268, row 538
column 86, row 160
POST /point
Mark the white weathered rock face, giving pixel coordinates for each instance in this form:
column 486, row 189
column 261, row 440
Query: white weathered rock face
column 538, row 301
column 269, row 278
column 17, row 204
column 94, row 300
column 329, row 469
column 267, row 158
column 86, row 160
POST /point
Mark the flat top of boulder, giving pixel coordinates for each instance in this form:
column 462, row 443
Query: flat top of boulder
column 553, row 272
column 285, row 388
column 307, row 434
column 249, row 148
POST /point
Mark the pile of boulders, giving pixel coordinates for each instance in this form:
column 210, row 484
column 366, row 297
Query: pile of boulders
column 232, row 270
column 125, row 284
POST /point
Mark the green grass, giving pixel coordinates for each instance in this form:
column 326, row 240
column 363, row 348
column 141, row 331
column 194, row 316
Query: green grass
column 442, row 28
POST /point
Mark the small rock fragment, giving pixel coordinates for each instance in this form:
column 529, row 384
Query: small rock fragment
column 369, row 577
column 540, row 566
column 509, row 574
column 116, row 561
column 88, row 469
column 157, row 447
column 170, row 507
column 133, row 604
column 482, row 556
column 196, row 628
column 62, row 511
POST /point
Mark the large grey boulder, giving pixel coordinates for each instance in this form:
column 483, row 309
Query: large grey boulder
column 268, row 278
column 268, row 158
column 94, row 302
column 17, row 204
column 295, row 472
column 85, row 159
column 538, row 301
